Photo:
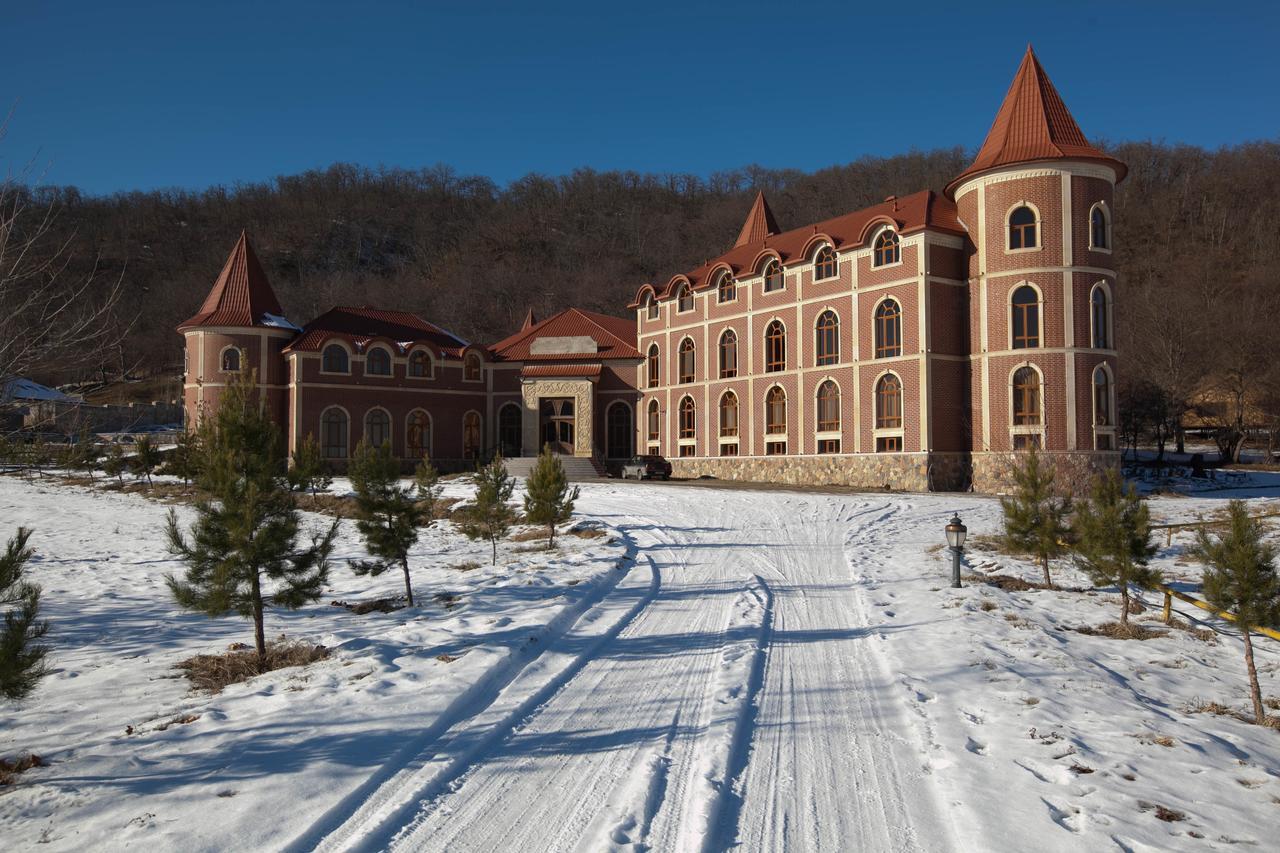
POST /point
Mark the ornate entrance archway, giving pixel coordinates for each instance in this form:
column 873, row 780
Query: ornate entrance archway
column 558, row 423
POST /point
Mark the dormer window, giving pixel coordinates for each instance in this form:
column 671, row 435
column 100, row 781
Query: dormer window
column 471, row 367
column 772, row 276
column 887, row 250
column 727, row 290
column 419, row 364
column 651, row 307
column 378, row 362
column 684, row 299
column 824, row 264
column 1022, row 228
column 334, row 360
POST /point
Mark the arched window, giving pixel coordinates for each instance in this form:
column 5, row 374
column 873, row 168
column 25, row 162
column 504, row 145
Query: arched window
column 889, row 402
column 1026, row 317
column 511, row 431
column 888, row 331
column 1026, row 397
column 471, row 435
column 887, row 250
column 824, row 263
column 1102, row 397
column 655, row 421
column 684, row 299
column 727, row 289
column 419, row 364
column 471, row 367
column 728, row 415
column 333, row 434
column 378, row 362
column 377, row 427
column 1022, row 228
column 1099, row 238
column 650, row 307
column 828, row 345
column 687, row 418
column 728, row 354
column 775, row 411
column 828, row 407
column 652, row 363
column 1101, row 310
column 231, row 360
column 775, row 347
column 685, row 363
column 418, row 434
column 334, row 359
column 772, row 276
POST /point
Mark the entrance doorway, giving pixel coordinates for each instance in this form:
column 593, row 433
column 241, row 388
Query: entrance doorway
column 558, row 423
column 619, row 431
column 509, row 431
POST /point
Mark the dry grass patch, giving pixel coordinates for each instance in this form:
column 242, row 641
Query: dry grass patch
column 214, row 672
column 1121, row 631
column 587, row 532
column 377, row 605
column 338, row 506
column 9, row 769
column 532, row 534
column 987, row 605
column 468, row 566
column 1157, row 740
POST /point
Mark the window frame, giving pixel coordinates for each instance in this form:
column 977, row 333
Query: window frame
column 687, row 350
column 727, row 368
column 653, row 366
column 651, row 307
column 1104, row 289
column 827, row 428
column 425, row 449
column 1100, row 208
column 887, row 244
column 426, row 356
column 346, row 358
column 653, row 422
column 469, row 359
column 1103, row 428
column 823, row 358
column 770, row 426
column 729, row 402
column 886, row 422
column 882, row 323
column 1026, row 341
column 366, row 429
column 685, row 293
column 687, row 420
column 391, row 368
column 775, row 345
column 823, row 259
column 325, row 446
column 726, row 289
column 222, row 359
column 771, row 269
column 1034, row 225
column 1020, row 423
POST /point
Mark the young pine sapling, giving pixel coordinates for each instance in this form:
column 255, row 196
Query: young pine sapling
column 1114, row 531
column 548, row 499
column 1035, row 516
column 489, row 516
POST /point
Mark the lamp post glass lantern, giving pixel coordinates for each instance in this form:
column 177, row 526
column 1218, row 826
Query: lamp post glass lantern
column 956, row 534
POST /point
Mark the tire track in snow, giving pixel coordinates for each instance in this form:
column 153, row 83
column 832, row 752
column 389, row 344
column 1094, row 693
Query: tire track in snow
column 423, row 769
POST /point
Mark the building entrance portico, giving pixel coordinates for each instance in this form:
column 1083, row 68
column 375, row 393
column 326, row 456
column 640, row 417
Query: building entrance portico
column 556, row 416
column 559, row 411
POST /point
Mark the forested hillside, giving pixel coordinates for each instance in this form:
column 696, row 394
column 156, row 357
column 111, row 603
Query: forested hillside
column 1196, row 235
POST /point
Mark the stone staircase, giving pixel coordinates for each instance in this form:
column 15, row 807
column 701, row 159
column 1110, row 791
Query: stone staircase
column 576, row 468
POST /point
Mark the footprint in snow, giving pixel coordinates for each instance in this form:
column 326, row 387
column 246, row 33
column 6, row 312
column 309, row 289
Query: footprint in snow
column 975, row 746
column 973, row 719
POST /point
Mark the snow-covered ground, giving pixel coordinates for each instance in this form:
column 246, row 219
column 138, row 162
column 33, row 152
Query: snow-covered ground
column 729, row 668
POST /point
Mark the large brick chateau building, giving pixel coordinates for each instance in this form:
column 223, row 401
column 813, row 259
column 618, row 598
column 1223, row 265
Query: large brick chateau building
column 915, row 344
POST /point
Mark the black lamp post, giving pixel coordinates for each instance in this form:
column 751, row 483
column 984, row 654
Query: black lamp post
column 956, row 533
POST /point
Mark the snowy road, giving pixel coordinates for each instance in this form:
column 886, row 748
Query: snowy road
column 728, row 691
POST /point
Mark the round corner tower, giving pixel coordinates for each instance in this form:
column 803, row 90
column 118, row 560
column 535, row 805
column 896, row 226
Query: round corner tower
column 1037, row 203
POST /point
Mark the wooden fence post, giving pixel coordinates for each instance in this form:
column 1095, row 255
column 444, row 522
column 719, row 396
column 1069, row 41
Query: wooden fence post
column 1168, row 606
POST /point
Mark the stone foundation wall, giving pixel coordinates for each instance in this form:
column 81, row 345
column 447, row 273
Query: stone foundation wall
column 907, row 472
column 992, row 472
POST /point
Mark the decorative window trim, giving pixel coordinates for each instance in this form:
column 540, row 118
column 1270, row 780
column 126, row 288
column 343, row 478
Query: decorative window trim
column 693, row 358
column 431, row 364
column 785, row 414
column 877, row 430
column 817, row 408
column 875, row 240
column 1106, row 226
column 650, row 410
column 1111, row 325
column 651, row 308
column 692, row 437
column 769, row 262
column 1109, row 428
column 685, row 290
column 1040, row 312
column 480, row 418
column 726, row 277
column 875, row 328
column 240, row 358
column 391, row 362
column 473, row 357
column 350, row 357
column 653, row 366
column 835, row 261
column 730, row 372
column 764, row 352
column 1039, row 429
column 323, row 444
column 826, row 309
column 391, row 426
column 720, row 409
column 428, row 432
column 1039, row 225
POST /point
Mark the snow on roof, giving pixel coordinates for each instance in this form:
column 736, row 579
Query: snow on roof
column 278, row 322
column 27, row 389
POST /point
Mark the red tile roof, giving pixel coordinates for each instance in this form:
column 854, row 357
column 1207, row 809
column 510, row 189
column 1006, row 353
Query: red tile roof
column 360, row 326
column 241, row 296
column 760, row 223
column 916, row 212
column 538, row 371
column 1033, row 124
column 615, row 337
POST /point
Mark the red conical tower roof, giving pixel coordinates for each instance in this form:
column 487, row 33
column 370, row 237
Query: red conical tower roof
column 241, row 296
column 760, row 223
column 1033, row 124
column 529, row 321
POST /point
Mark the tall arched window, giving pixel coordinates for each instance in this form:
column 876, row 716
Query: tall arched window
column 688, row 418
column 650, row 307
column 231, row 360
column 471, row 435
column 728, row 354
column 888, row 331
column 1026, row 397
column 727, row 289
column 653, row 367
column 684, row 299
column 827, row 350
column 511, row 430
column 333, row 434
column 471, row 367
column 377, row 427
column 1101, row 311
column 828, row 407
column 728, row 415
column 655, row 422
column 378, row 362
column 1026, row 317
column 775, row 411
column 1022, row 228
column 775, row 347
column 1099, row 238
column 824, row 263
column 686, row 361
column 887, row 249
column 419, row 364
column 889, row 402
column 417, row 434
column 334, row 359
column 1102, row 397
column 772, row 276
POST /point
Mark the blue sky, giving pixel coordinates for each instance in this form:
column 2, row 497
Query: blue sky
column 129, row 95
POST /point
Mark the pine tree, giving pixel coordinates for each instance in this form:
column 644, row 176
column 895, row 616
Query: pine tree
column 1241, row 579
column 85, row 453
column 184, row 459
column 1035, row 516
column 115, row 463
column 1113, row 527
column 21, row 656
column 548, row 499
column 146, row 456
column 246, row 532
column 387, row 515
column 489, row 517
column 308, row 471
column 426, row 480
